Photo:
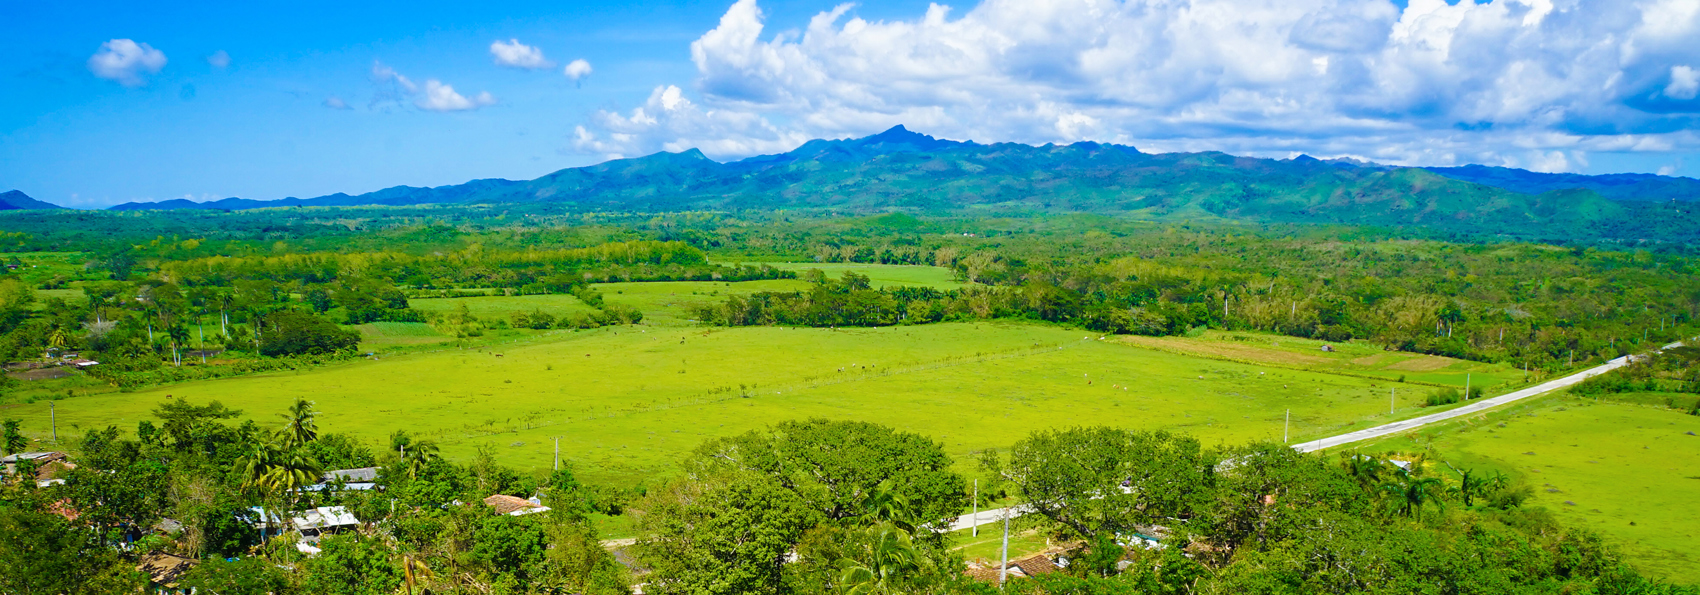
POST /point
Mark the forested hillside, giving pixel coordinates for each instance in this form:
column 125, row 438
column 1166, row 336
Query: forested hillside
column 899, row 169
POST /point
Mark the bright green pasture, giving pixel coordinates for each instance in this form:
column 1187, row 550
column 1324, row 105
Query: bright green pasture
column 1357, row 358
column 492, row 308
column 1628, row 471
column 668, row 303
column 879, row 275
column 378, row 335
column 628, row 401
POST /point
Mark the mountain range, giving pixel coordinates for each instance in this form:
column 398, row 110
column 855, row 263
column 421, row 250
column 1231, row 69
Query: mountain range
column 903, row 169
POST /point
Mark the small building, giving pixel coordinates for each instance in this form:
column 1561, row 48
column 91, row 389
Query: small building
column 364, row 478
column 323, row 520
column 514, row 505
column 41, row 460
column 164, row 570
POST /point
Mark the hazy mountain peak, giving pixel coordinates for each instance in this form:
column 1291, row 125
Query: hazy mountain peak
column 17, row 200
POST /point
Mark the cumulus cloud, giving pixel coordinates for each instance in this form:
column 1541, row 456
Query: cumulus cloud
column 514, row 54
column 1684, row 83
column 439, row 97
column 126, row 62
column 335, row 102
column 1510, row 81
column 577, row 69
column 219, row 59
column 434, row 95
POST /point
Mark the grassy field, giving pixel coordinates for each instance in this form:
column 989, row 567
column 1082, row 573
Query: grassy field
column 494, row 308
column 879, row 275
column 668, row 303
column 379, row 335
column 628, row 401
column 1628, row 471
column 1346, row 358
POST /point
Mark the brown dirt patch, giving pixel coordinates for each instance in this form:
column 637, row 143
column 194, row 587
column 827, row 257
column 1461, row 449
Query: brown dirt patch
column 1423, row 364
column 1373, row 360
column 41, row 374
column 1227, row 350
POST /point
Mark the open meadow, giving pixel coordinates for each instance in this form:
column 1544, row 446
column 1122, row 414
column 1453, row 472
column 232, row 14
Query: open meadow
column 1628, row 471
column 627, row 401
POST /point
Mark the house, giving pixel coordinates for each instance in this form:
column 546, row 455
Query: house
column 311, row 523
column 164, row 570
column 323, row 520
column 1033, row 565
column 50, row 466
column 515, row 506
column 364, row 478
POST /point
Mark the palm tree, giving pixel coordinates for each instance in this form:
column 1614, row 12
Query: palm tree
column 56, row 339
column 416, row 456
column 892, row 564
column 273, row 471
column 298, row 425
column 1413, row 494
column 179, row 335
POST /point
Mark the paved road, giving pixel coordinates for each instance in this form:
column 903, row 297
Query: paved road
column 987, row 517
column 1476, row 407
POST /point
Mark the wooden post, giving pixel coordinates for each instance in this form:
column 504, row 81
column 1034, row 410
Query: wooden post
column 557, row 453
column 53, row 415
column 1393, row 400
column 1466, row 387
column 976, row 528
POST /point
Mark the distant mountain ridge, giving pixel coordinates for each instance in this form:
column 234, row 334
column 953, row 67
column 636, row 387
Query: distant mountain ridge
column 1635, row 187
column 906, row 170
column 13, row 200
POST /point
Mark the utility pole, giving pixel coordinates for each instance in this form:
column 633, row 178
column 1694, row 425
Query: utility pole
column 1285, row 429
column 1003, row 568
column 557, row 453
column 1393, row 401
column 976, row 529
column 1466, row 387
column 54, row 417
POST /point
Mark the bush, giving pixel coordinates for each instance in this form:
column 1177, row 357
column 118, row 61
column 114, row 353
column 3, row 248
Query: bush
column 293, row 332
column 1445, row 396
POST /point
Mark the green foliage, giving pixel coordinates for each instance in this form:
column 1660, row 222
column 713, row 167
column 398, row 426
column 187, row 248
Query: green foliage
column 292, row 332
column 351, row 565
column 1104, row 481
column 245, row 576
column 42, row 554
column 838, row 468
column 726, row 536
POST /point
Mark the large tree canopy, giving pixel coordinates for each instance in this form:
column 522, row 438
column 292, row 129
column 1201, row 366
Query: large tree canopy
column 837, row 466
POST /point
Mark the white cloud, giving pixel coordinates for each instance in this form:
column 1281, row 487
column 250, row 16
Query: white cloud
column 443, row 98
column 1667, row 170
column 335, row 102
column 219, row 59
column 577, row 69
column 1684, row 83
column 126, row 62
column 518, row 55
column 383, row 74
column 1432, row 83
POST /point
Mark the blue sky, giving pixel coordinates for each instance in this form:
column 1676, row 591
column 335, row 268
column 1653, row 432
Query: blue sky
column 113, row 102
